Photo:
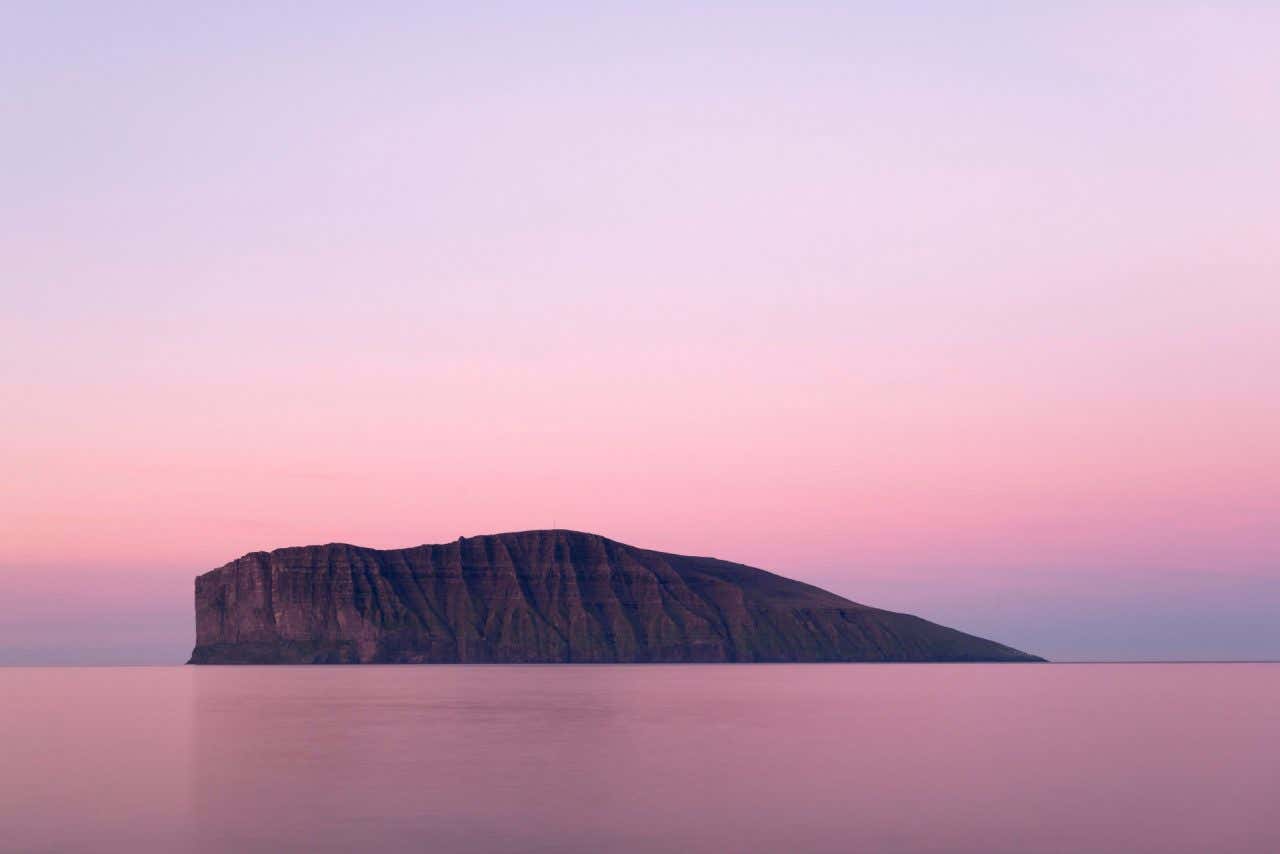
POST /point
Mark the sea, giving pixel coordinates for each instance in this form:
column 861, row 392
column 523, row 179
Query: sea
column 1018, row 758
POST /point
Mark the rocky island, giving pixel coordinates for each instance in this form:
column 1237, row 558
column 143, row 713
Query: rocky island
column 542, row 596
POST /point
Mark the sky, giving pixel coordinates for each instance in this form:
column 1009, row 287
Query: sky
column 965, row 310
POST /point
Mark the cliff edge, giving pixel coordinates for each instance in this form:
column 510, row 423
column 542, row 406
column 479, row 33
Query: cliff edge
column 542, row 596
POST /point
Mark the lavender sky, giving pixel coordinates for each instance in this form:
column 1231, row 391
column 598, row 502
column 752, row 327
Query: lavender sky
column 967, row 310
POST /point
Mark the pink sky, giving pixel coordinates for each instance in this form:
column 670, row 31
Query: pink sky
column 976, row 316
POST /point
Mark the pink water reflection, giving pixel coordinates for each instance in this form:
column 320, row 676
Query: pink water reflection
column 945, row 758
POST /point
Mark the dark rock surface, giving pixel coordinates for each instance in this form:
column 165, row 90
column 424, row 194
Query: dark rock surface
column 542, row 596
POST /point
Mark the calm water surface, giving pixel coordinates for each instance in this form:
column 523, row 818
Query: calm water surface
column 824, row 758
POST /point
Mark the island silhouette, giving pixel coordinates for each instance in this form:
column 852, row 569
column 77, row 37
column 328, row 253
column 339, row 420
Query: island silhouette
column 550, row 596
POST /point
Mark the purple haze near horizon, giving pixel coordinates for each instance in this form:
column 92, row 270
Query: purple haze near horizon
column 971, row 314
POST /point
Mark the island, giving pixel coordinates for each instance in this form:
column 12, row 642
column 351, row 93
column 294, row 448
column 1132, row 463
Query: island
column 552, row 596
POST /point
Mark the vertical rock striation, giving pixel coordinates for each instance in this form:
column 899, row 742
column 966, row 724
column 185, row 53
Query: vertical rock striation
column 542, row 596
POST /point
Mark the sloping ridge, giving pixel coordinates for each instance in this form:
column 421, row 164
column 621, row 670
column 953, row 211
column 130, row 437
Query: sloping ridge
column 542, row 596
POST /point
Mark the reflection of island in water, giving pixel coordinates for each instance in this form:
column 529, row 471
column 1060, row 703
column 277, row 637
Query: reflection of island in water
column 1176, row 759
column 890, row 759
column 542, row 596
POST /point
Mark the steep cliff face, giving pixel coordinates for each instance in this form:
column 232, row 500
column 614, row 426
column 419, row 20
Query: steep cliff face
column 541, row 596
